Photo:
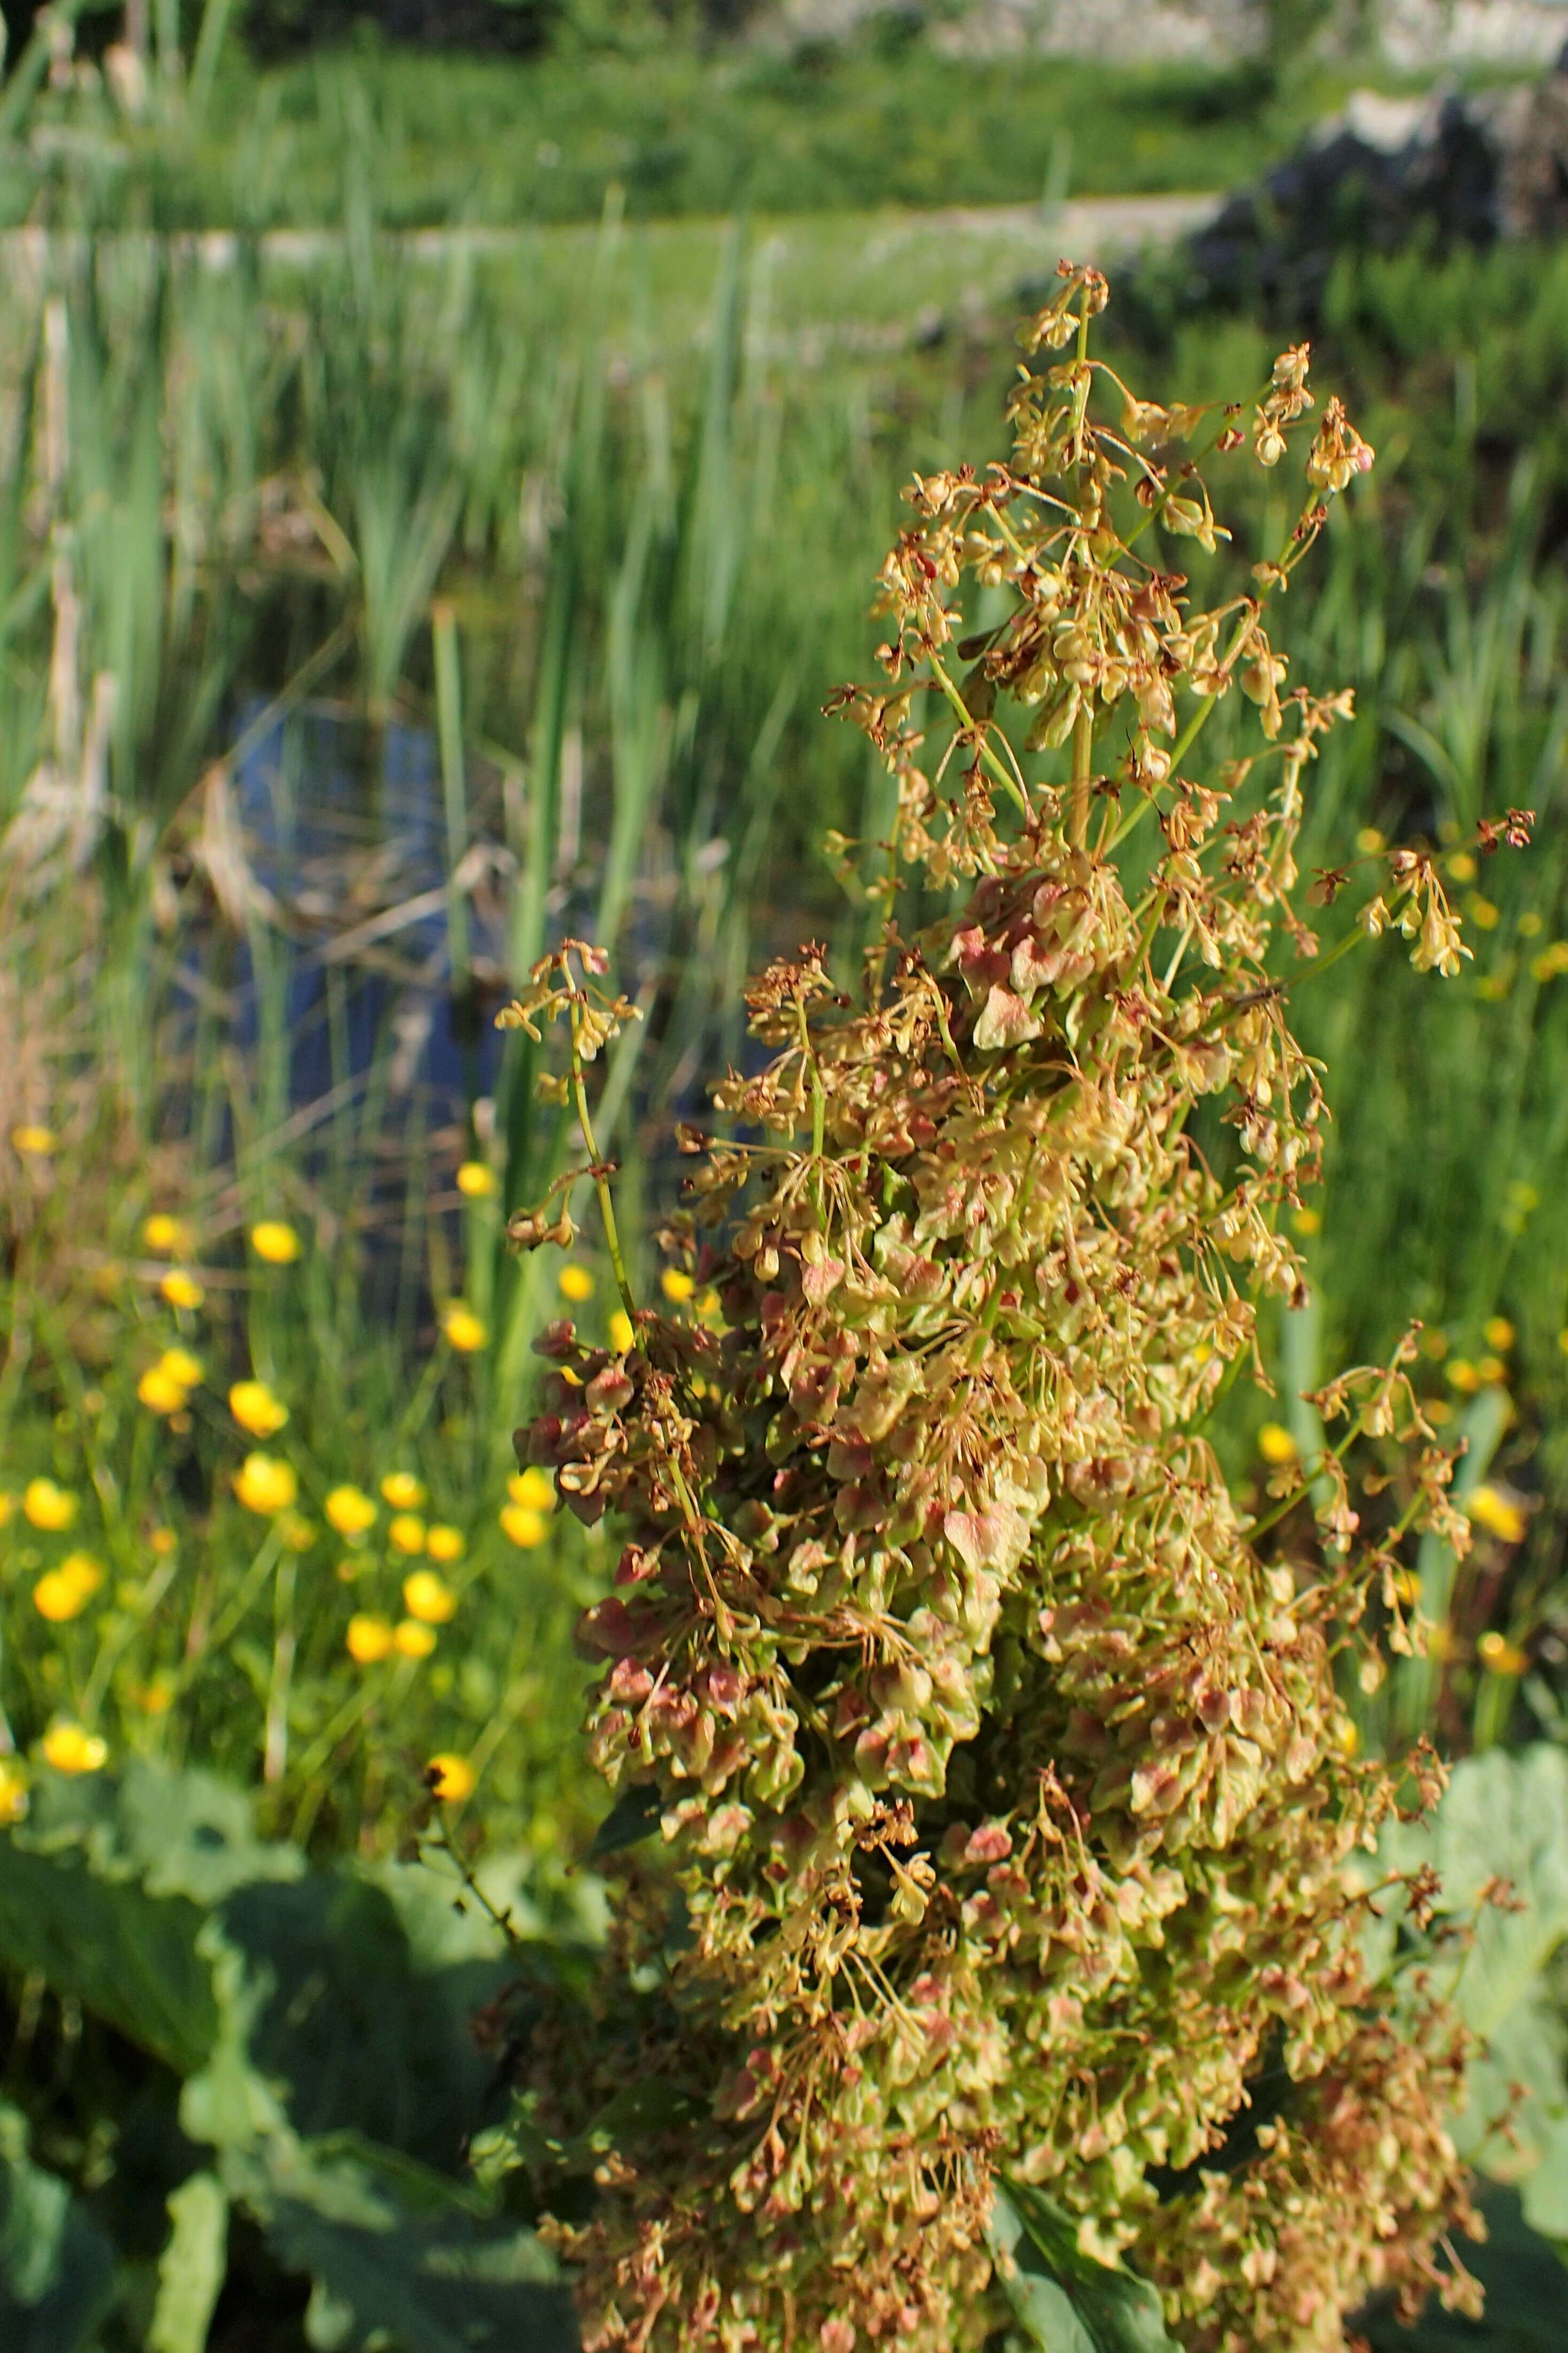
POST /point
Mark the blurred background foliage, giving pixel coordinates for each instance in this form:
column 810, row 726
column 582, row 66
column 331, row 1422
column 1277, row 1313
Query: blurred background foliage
column 375, row 608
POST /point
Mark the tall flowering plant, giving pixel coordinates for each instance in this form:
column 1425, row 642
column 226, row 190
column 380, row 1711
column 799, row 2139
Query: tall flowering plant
column 999, row 1794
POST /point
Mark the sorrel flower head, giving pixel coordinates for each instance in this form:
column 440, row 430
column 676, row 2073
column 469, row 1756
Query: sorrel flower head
column 1004, row 1790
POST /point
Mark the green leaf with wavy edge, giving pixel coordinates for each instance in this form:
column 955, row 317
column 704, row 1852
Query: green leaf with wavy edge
column 1068, row 2302
column 395, row 2261
column 192, row 2268
column 1502, row 1816
column 56, row 2273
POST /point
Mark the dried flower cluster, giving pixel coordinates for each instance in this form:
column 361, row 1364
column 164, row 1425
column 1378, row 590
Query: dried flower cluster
column 1005, row 1794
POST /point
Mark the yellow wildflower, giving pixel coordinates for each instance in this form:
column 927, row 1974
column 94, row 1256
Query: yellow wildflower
column 405, row 1533
column 157, row 1697
column 476, row 1181
column 413, row 1640
column 182, row 1290
column 64, row 1593
column 369, row 1640
column 1462, row 866
column 1437, row 1410
column 276, row 1243
column 532, row 1487
column 443, row 1543
column 677, row 1286
column 1490, row 1371
column 160, row 1392
column 48, row 1506
column 266, row 1486
column 526, row 1528
column 1481, row 912
column 163, row 1542
column 14, row 1791
column 1275, row 1443
column 1500, row 1656
column 168, row 1236
column 70, row 1748
column 1498, row 1333
column 464, row 1330
column 37, row 1141
column 622, row 1338
column 576, row 1283
column 1369, row 841
column 1308, row 1222
column 182, row 1367
column 7, row 1506
column 298, row 1533
column 403, row 1490
column 351, row 1510
column 1532, row 923
column 1462, row 1375
column 451, row 1778
column 1495, row 1513
column 428, row 1596
column 255, row 1408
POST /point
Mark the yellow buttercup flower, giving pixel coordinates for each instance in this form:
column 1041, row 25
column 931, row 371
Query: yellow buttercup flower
column 1500, row 1656
column 403, row 1490
column 1308, row 1222
column 428, row 1597
column 622, row 1338
column 160, row 1392
column 64, row 1593
column 526, row 1528
column 464, row 1330
column 534, row 1488
column 405, row 1533
column 7, row 1506
column 443, row 1542
column 1369, row 841
column 1494, row 1512
column 182, row 1367
column 351, row 1510
column 34, row 1141
column 1490, row 1371
column 1462, row 866
column 255, row 1408
column 1463, row 1376
column 14, row 1790
column 369, row 1640
column 276, row 1243
column 452, row 1778
column 1275, row 1443
column 70, row 1748
column 48, row 1506
column 1481, row 912
column 266, row 1486
column 476, row 1181
column 413, row 1640
column 182, row 1290
column 576, row 1283
column 677, row 1286
column 1498, row 1332
column 168, row 1236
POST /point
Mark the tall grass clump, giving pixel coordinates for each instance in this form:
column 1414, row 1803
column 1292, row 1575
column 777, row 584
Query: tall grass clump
column 1000, row 1943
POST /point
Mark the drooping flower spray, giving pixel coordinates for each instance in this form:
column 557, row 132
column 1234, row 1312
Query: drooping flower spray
column 997, row 1788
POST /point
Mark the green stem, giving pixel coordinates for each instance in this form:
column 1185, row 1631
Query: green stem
column 1002, row 773
column 601, row 1178
column 1082, row 757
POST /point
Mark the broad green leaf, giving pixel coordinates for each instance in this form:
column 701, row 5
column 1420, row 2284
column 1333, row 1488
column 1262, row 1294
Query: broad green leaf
column 1070, row 2303
column 192, row 2268
column 437, row 2280
column 56, row 2273
column 1502, row 1816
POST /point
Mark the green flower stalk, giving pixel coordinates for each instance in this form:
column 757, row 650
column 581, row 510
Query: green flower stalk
column 1002, row 1799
